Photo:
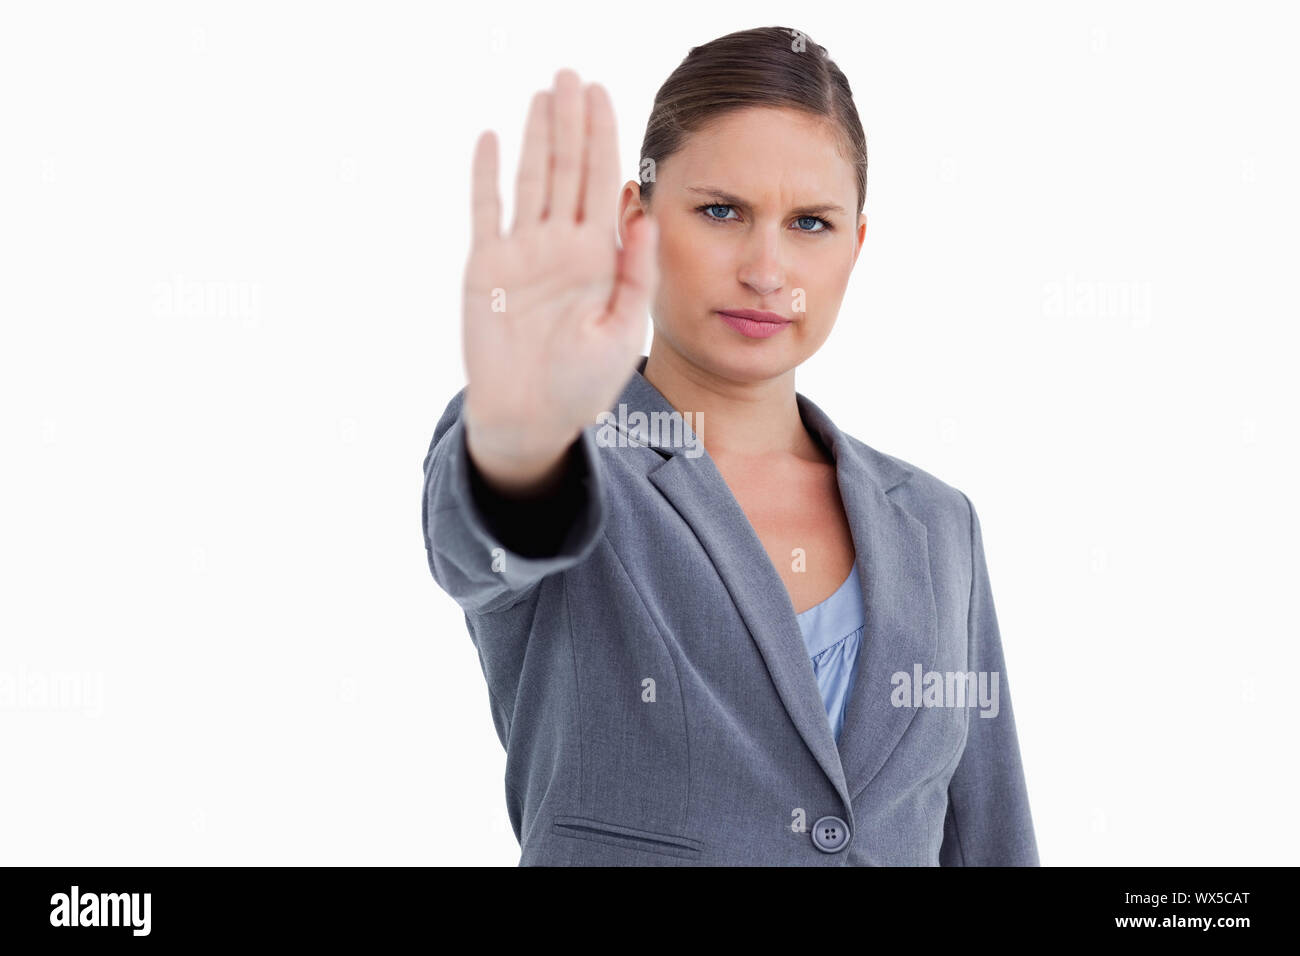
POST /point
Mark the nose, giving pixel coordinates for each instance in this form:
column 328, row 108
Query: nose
column 760, row 266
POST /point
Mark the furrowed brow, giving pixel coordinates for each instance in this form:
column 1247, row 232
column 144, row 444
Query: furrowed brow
column 732, row 200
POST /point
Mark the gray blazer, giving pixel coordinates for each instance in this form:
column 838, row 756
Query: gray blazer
column 651, row 688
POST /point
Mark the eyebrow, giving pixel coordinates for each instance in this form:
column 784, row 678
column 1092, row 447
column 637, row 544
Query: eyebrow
column 731, row 200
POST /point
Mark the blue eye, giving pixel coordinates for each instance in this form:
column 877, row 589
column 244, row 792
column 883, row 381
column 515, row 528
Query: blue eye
column 704, row 210
column 825, row 225
column 713, row 205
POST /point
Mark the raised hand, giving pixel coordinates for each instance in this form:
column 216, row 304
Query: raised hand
column 554, row 313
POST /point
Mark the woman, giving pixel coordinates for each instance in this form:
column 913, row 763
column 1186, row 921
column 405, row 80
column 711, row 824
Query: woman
column 661, row 697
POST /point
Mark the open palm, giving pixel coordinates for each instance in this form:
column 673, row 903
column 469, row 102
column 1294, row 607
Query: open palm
column 554, row 313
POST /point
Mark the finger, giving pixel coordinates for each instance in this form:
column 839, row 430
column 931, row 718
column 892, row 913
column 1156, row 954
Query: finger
column 485, row 202
column 568, row 129
column 638, row 274
column 600, row 168
column 530, row 183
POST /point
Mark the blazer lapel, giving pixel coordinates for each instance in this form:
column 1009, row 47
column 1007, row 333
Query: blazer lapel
column 893, row 559
column 893, row 563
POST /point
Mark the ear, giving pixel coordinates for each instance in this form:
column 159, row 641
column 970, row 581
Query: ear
column 862, row 235
column 629, row 207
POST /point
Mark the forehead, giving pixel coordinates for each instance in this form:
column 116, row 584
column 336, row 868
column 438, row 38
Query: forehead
column 764, row 153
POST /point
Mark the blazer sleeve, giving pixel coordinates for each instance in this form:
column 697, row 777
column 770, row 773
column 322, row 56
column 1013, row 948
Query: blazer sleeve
column 988, row 821
column 489, row 553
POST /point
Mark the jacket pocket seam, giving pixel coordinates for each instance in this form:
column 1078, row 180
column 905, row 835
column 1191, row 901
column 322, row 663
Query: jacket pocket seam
column 612, row 834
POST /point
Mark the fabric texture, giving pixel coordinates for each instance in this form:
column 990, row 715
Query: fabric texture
column 832, row 632
column 647, row 678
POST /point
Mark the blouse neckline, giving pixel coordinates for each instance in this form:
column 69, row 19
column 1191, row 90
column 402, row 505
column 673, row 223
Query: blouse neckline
column 835, row 594
column 835, row 618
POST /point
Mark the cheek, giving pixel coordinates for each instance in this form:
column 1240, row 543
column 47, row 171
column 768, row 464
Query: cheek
column 823, row 285
column 688, row 273
column 688, row 260
column 815, row 332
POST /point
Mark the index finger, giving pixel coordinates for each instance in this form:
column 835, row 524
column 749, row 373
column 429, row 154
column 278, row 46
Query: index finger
column 600, row 159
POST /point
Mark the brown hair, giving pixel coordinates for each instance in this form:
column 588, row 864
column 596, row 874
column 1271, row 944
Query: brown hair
column 766, row 66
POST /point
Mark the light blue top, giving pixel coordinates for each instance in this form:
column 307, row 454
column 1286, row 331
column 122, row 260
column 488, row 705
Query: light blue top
column 832, row 633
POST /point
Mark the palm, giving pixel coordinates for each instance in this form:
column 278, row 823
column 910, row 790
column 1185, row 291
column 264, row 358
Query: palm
column 554, row 313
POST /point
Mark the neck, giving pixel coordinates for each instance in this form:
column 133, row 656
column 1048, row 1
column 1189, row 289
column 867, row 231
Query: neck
column 756, row 419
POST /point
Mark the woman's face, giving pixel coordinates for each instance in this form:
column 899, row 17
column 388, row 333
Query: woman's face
column 755, row 212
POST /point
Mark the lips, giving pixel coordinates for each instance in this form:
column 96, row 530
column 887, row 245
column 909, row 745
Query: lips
column 754, row 324
column 755, row 315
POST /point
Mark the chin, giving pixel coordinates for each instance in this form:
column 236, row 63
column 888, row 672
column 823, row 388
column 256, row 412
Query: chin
column 751, row 360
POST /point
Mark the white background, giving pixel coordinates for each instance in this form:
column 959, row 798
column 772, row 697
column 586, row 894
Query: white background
column 231, row 242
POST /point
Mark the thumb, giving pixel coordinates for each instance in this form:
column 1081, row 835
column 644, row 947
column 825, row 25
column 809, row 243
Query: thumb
column 638, row 271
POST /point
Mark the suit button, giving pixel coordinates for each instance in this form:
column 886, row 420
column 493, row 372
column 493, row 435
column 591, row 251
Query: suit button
column 830, row 834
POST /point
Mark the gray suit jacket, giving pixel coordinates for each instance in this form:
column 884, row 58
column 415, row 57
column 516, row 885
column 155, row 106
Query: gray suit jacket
column 651, row 686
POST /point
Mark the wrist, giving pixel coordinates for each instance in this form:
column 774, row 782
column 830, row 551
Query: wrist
column 513, row 468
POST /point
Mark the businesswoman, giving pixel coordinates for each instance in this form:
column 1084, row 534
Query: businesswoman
column 715, row 629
